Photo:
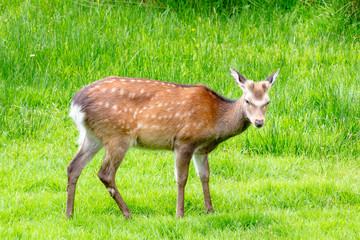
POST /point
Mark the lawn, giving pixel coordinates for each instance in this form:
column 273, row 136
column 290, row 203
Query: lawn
column 297, row 177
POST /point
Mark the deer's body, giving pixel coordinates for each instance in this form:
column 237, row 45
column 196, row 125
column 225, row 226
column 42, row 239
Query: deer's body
column 157, row 115
column 191, row 120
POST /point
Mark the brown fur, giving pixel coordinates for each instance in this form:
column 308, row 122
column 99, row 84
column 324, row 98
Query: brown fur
column 258, row 89
column 184, row 112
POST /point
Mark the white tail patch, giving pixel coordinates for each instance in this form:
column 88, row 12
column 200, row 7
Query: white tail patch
column 85, row 136
column 78, row 116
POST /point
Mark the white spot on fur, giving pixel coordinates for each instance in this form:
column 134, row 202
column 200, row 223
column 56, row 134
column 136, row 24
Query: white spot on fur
column 113, row 90
column 142, row 91
column 103, row 90
column 259, row 103
column 111, row 191
column 114, row 107
column 121, row 92
column 106, row 104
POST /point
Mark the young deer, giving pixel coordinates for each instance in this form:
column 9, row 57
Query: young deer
column 191, row 120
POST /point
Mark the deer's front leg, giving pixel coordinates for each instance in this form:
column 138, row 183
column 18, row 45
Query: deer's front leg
column 203, row 171
column 182, row 161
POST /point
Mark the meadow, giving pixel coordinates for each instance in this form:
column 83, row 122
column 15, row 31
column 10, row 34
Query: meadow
column 297, row 177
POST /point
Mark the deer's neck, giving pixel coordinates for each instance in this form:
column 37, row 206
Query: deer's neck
column 233, row 120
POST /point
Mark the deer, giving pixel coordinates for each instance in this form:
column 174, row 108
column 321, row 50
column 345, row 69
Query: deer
column 118, row 113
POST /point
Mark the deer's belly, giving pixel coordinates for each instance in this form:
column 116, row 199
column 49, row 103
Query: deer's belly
column 155, row 140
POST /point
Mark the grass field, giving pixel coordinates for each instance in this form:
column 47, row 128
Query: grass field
column 298, row 177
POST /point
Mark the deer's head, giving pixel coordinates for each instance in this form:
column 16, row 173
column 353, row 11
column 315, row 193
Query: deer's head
column 255, row 98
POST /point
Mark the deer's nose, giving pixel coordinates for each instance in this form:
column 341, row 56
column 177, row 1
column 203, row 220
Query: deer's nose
column 259, row 123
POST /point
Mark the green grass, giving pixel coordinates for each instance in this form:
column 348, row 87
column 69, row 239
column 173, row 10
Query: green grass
column 298, row 177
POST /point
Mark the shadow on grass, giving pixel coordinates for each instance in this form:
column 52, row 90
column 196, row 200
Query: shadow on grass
column 150, row 221
column 237, row 221
column 214, row 225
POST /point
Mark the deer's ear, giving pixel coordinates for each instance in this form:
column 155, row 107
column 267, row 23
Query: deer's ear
column 272, row 77
column 239, row 79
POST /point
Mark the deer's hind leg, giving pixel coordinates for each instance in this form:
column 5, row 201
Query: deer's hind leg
column 90, row 146
column 115, row 151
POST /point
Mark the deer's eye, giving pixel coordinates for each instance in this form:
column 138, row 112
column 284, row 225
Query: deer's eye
column 267, row 103
column 247, row 101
